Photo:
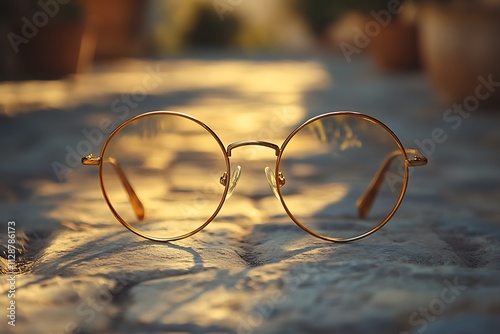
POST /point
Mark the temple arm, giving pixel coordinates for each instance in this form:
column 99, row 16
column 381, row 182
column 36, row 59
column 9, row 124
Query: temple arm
column 134, row 200
column 365, row 201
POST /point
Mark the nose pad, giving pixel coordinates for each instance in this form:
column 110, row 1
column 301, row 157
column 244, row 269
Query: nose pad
column 271, row 180
column 234, row 181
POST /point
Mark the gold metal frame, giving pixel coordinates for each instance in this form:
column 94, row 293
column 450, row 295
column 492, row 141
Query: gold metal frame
column 93, row 160
column 365, row 201
column 412, row 158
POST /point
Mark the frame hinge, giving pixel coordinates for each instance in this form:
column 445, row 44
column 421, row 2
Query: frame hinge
column 91, row 160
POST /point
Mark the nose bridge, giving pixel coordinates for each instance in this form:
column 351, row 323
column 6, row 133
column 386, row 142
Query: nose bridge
column 252, row 142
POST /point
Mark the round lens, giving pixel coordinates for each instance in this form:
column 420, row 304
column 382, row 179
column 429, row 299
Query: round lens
column 161, row 172
column 345, row 175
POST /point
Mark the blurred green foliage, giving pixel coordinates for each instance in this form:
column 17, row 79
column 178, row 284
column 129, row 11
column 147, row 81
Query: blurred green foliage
column 245, row 24
column 319, row 14
column 207, row 30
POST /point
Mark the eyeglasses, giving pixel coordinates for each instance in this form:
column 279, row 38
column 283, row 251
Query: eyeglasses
column 340, row 176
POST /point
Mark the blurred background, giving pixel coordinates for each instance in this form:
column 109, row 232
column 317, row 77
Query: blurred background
column 454, row 41
column 72, row 70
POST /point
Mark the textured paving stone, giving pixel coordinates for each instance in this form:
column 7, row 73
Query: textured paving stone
column 433, row 268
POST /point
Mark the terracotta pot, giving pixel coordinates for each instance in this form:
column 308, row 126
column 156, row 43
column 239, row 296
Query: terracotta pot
column 8, row 64
column 119, row 24
column 395, row 47
column 458, row 44
column 60, row 48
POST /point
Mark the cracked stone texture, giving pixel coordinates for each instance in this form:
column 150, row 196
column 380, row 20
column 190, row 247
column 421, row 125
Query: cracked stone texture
column 433, row 268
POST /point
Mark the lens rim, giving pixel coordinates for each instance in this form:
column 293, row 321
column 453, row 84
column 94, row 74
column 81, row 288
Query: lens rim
column 337, row 114
column 117, row 215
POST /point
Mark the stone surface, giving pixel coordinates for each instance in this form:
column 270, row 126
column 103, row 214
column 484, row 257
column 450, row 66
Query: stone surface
column 433, row 268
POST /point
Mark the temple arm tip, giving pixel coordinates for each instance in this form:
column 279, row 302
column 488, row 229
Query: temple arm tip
column 365, row 201
column 134, row 199
column 415, row 158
